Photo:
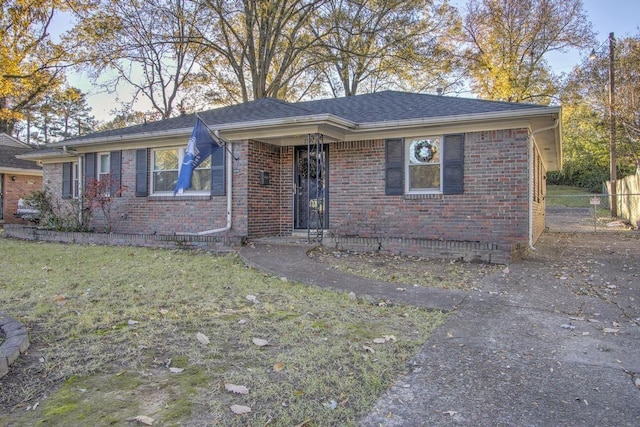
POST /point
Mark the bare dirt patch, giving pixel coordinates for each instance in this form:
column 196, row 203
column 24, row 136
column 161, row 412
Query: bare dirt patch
column 407, row 270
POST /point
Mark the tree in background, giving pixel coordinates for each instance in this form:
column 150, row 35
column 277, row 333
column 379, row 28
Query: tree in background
column 507, row 42
column 72, row 113
column 31, row 62
column 63, row 114
column 124, row 118
column 380, row 44
column 585, row 101
column 145, row 45
column 258, row 48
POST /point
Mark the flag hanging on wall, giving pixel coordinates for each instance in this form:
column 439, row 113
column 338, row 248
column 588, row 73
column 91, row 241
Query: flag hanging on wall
column 199, row 148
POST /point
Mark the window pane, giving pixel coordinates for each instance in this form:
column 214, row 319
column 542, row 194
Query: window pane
column 201, row 180
column 424, row 151
column 164, row 180
column 165, row 160
column 424, row 177
column 104, row 164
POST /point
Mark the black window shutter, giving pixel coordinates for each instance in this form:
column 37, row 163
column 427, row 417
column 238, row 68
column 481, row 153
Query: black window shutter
column 89, row 167
column 217, row 171
column 141, row 172
column 115, row 162
column 394, row 167
column 453, row 164
column 66, row 180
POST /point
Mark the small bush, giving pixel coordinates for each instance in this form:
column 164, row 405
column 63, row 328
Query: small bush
column 55, row 215
column 589, row 176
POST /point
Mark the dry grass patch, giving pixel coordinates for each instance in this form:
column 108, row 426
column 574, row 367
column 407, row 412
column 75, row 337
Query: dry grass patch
column 114, row 335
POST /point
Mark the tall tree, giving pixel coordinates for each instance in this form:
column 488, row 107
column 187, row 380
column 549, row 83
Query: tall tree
column 507, row 42
column 259, row 47
column 63, row 114
column 385, row 43
column 144, row 45
column 587, row 107
column 72, row 113
column 31, row 61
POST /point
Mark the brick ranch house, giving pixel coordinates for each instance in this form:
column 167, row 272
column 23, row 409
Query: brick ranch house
column 391, row 171
column 17, row 177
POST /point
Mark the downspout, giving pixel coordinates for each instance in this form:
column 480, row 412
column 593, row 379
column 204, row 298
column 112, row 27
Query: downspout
column 227, row 227
column 532, row 177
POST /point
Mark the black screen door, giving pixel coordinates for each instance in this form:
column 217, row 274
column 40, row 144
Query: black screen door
column 311, row 199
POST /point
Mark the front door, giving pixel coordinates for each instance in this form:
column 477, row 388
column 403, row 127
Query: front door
column 311, row 200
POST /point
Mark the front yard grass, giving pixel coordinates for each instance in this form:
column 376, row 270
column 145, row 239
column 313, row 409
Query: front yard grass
column 118, row 333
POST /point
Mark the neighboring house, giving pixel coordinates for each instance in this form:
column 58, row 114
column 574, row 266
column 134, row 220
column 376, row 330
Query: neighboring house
column 392, row 171
column 17, row 177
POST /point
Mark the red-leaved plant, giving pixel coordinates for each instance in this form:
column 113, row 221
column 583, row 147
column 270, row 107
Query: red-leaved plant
column 99, row 194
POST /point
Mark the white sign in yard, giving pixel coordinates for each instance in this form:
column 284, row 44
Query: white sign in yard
column 595, row 200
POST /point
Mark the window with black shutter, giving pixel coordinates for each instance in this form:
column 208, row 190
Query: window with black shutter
column 394, row 167
column 67, row 180
column 142, row 168
column 218, row 186
column 115, row 172
column 453, row 164
column 425, row 165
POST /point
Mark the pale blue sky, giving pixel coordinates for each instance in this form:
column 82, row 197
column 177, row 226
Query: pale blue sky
column 622, row 17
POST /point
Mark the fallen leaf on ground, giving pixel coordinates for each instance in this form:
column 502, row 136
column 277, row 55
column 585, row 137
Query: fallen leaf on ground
column 260, row 342
column 240, row 409
column 143, row 419
column 202, row 338
column 331, row 404
column 240, row 389
column 278, row 367
column 369, row 349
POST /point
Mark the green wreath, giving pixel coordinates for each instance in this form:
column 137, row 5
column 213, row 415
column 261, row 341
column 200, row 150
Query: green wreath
column 424, row 150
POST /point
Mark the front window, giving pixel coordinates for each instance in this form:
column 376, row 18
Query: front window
column 166, row 163
column 424, row 174
column 104, row 165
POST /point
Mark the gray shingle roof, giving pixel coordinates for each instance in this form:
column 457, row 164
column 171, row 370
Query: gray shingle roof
column 360, row 109
column 393, row 106
column 8, row 158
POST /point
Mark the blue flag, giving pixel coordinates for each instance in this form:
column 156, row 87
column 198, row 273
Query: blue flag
column 199, row 148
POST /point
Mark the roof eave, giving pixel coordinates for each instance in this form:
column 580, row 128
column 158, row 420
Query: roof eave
column 462, row 118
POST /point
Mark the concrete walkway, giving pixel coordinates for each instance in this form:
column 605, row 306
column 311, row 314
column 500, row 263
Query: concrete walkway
column 553, row 341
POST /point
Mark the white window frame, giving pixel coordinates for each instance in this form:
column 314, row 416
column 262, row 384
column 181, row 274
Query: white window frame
column 101, row 173
column 408, row 164
column 181, row 152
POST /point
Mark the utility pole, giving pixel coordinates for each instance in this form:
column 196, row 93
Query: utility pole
column 612, row 128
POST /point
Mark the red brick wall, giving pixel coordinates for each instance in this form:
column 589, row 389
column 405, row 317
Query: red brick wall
column 13, row 191
column 166, row 215
column 492, row 213
column 264, row 201
column 493, row 208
